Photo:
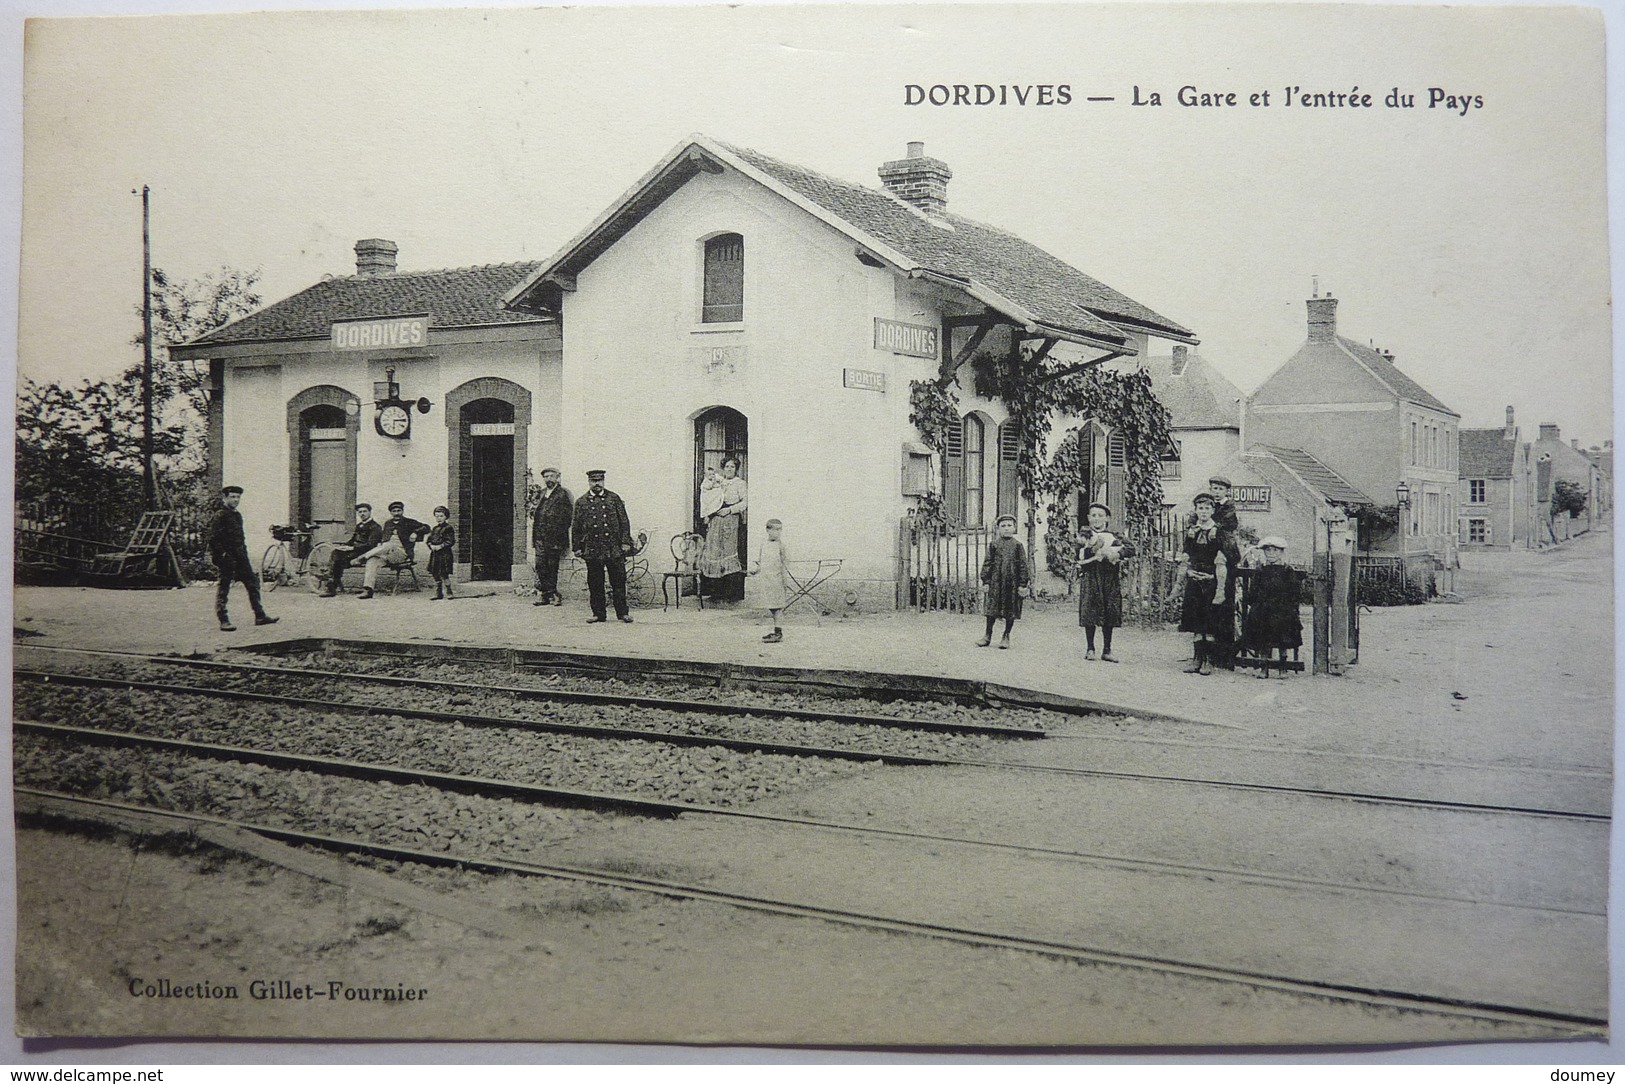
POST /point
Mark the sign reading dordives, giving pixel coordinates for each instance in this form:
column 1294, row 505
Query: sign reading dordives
column 915, row 340
column 396, row 332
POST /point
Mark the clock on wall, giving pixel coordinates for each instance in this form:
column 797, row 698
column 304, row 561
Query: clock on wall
column 393, row 420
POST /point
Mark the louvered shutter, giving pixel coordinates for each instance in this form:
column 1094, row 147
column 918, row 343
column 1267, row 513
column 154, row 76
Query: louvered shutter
column 1116, row 476
column 1009, row 447
column 953, row 475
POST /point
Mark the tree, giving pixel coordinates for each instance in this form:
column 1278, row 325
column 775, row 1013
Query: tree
column 85, row 439
column 1568, row 497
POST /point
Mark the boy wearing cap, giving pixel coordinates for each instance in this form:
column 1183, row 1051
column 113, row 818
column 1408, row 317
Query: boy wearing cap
column 1224, row 509
column 228, row 549
column 603, row 537
column 550, row 533
column 1272, row 623
column 365, row 537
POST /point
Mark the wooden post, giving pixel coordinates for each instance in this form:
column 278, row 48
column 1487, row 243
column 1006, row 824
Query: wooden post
column 1342, row 594
column 1320, row 579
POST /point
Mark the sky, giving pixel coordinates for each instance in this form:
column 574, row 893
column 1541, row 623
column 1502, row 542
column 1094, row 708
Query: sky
column 1472, row 246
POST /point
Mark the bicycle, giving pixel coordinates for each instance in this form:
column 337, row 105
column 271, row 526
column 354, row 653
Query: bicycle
column 312, row 562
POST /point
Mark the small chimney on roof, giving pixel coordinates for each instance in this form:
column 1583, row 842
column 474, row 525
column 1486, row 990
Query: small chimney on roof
column 1322, row 315
column 1511, row 430
column 1548, row 431
column 375, row 256
column 918, row 180
column 1181, row 357
column 1574, row 442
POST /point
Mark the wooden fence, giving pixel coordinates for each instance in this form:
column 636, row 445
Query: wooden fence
column 940, row 568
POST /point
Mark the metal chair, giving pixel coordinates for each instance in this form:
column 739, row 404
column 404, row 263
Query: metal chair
column 685, row 553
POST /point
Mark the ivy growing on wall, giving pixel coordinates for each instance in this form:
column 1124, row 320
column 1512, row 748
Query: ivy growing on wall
column 932, row 409
column 1121, row 401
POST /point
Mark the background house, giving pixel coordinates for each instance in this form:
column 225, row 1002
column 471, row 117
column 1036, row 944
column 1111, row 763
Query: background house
column 1495, row 488
column 1556, row 461
column 1204, row 410
column 1352, row 410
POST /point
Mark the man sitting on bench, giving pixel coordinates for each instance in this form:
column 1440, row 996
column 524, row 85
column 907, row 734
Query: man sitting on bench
column 366, row 536
column 400, row 532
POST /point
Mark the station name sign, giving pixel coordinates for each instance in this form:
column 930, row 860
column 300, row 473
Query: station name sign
column 394, row 333
column 915, row 340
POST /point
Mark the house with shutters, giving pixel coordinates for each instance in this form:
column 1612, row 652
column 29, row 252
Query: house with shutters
column 1496, row 495
column 1349, row 409
column 729, row 304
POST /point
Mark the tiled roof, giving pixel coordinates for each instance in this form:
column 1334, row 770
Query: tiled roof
column 1319, row 477
column 1052, row 290
column 1201, row 397
column 1389, row 374
column 455, row 297
column 1486, row 453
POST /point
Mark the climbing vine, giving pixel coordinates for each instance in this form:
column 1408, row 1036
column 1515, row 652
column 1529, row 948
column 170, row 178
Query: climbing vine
column 1122, row 402
column 933, row 409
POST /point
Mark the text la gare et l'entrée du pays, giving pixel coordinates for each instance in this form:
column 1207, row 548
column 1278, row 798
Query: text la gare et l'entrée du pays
column 1192, row 96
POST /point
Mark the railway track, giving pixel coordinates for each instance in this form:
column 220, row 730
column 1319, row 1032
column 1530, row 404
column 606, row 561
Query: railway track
column 437, row 751
column 285, row 675
column 42, row 806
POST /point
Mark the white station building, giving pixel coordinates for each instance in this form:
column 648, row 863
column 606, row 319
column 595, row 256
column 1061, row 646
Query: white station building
column 726, row 304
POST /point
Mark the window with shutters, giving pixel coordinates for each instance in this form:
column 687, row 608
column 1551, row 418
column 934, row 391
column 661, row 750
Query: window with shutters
column 975, row 462
column 1009, row 449
column 1478, row 530
column 724, row 295
column 953, row 474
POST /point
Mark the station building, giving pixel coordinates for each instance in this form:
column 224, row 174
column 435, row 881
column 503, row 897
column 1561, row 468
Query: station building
column 727, row 304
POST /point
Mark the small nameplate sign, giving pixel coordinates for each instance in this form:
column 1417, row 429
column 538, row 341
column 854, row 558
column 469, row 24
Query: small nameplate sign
column 328, row 434
column 1254, row 498
column 864, row 379
column 491, row 429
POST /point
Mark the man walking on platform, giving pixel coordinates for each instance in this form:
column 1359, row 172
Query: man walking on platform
column 603, row 538
column 229, row 551
column 550, row 533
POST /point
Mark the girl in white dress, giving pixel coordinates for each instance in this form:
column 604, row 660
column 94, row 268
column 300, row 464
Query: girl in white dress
column 773, row 587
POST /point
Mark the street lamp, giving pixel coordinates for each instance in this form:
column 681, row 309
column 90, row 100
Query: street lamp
column 1402, row 495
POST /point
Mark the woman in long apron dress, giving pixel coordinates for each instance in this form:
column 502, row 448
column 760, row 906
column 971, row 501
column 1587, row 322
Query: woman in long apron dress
column 722, row 568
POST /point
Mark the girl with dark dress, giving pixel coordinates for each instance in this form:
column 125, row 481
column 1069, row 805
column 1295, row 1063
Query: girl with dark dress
column 1210, row 589
column 1005, row 574
column 1272, row 622
column 442, row 536
column 1100, row 582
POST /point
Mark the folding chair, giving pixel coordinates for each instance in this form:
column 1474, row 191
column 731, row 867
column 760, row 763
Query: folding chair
column 804, row 585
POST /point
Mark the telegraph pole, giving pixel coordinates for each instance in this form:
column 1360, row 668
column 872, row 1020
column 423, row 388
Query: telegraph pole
column 148, row 486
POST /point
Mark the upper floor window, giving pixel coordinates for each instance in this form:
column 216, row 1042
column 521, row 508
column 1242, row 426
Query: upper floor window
column 1477, row 491
column 723, row 301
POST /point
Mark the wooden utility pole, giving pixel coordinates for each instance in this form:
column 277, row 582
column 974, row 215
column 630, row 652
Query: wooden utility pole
column 148, row 482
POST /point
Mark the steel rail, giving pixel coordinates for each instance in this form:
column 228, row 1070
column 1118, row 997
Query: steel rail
column 747, row 745
column 584, row 697
column 1581, row 1024
column 592, row 730
column 485, row 787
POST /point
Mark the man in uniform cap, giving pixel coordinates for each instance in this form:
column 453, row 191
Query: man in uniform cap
column 550, row 532
column 400, row 532
column 603, row 537
column 365, row 538
column 229, row 551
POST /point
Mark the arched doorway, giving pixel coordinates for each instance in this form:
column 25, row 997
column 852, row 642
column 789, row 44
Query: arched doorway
column 720, row 435
column 323, row 423
column 488, row 446
column 488, row 501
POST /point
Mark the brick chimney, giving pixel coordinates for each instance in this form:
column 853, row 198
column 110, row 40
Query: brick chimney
column 1511, row 430
column 375, row 256
column 1574, row 442
column 918, row 180
column 1548, row 431
column 1181, row 357
column 1322, row 316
